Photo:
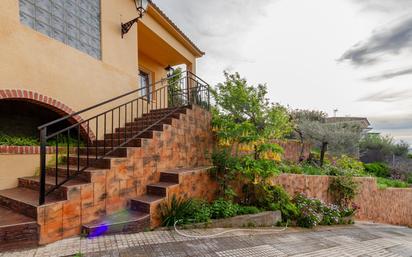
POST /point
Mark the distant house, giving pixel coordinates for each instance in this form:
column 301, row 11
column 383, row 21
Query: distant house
column 364, row 122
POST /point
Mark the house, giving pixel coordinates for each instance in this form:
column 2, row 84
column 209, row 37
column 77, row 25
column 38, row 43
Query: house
column 364, row 122
column 117, row 131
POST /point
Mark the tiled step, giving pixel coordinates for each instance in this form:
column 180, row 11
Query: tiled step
column 116, row 142
column 62, row 171
column 142, row 204
column 167, row 110
column 149, row 122
column 122, row 135
column 160, row 188
column 23, row 200
column 62, row 193
column 128, row 221
column 17, row 231
column 159, row 115
column 140, row 127
column 173, row 176
column 91, row 151
column 89, row 161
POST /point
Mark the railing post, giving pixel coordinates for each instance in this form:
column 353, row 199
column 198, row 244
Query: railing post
column 208, row 97
column 43, row 143
column 188, row 88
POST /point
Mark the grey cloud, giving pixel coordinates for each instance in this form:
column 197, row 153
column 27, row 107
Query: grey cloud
column 393, row 39
column 390, row 74
column 387, row 96
column 393, row 122
column 216, row 26
column 385, row 6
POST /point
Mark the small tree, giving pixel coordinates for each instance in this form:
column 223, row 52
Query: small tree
column 246, row 125
column 339, row 137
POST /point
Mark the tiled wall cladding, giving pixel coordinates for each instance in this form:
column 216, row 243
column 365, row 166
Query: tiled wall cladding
column 73, row 22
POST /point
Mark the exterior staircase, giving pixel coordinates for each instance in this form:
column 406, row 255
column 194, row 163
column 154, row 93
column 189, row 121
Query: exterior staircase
column 119, row 193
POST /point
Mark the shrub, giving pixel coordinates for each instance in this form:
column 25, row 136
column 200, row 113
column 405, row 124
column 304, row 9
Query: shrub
column 176, row 209
column 309, row 211
column 343, row 189
column 379, row 169
column 243, row 210
column 350, row 166
column 18, row 141
column 331, row 215
column 201, row 211
column 385, row 183
column 275, row 198
column 223, row 209
column 312, row 170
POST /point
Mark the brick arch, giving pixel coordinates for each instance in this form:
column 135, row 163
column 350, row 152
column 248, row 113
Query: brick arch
column 45, row 101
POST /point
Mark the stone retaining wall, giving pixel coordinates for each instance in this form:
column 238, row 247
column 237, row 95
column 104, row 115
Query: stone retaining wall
column 391, row 206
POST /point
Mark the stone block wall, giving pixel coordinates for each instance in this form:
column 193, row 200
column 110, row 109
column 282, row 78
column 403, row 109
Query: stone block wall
column 390, row 206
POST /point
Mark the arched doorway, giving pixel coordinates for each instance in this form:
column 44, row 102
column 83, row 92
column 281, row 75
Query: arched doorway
column 22, row 112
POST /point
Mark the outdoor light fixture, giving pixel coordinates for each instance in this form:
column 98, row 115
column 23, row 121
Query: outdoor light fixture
column 141, row 7
column 169, row 70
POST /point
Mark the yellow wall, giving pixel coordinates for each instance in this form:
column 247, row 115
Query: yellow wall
column 32, row 61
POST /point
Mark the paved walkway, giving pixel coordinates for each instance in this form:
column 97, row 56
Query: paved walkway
column 363, row 239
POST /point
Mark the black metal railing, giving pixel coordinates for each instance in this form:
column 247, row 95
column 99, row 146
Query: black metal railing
column 116, row 125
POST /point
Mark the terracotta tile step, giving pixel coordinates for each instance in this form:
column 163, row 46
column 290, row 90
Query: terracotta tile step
column 182, row 109
column 160, row 188
column 16, row 230
column 62, row 171
column 89, row 161
column 119, row 152
column 116, row 142
column 148, row 122
column 127, row 221
column 175, row 115
column 173, row 175
column 128, row 134
column 142, row 203
column 62, row 193
column 140, row 127
column 23, row 200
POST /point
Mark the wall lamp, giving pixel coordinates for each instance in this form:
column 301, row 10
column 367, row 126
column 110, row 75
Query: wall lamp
column 141, row 7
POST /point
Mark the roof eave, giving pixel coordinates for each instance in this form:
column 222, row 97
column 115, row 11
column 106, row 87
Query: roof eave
column 195, row 50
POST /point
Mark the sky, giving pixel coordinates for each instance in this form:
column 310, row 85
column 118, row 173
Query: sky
column 351, row 55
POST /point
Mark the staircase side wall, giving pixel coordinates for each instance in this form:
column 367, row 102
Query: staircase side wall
column 185, row 143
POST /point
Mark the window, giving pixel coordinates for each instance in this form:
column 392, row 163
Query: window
column 145, row 84
column 73, row 22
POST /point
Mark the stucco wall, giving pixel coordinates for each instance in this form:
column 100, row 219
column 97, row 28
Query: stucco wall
column 391, row 206
column 41, row 64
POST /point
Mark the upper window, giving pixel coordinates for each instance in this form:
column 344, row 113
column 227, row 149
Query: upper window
column 73, row 22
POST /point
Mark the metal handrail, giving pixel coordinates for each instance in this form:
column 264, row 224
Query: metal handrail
column 161, row 98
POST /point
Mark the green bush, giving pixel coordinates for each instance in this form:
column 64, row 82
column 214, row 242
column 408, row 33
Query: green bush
column 312, row 170
column 200, row 211
column 223, row 209
column 310, row 210
column 176, row 209
column 379, row 169
column 331, row 215
column 343, row 189
column 350, row 166
column 243, row 210
column 385, row 183
column 17, row 141
column 275, row 198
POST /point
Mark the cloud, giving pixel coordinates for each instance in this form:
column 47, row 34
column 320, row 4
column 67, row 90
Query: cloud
column 385, row 6
column 387, row 96
column 390, row 74
column 389, row 40
column 217, row 26
column 395, row 122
